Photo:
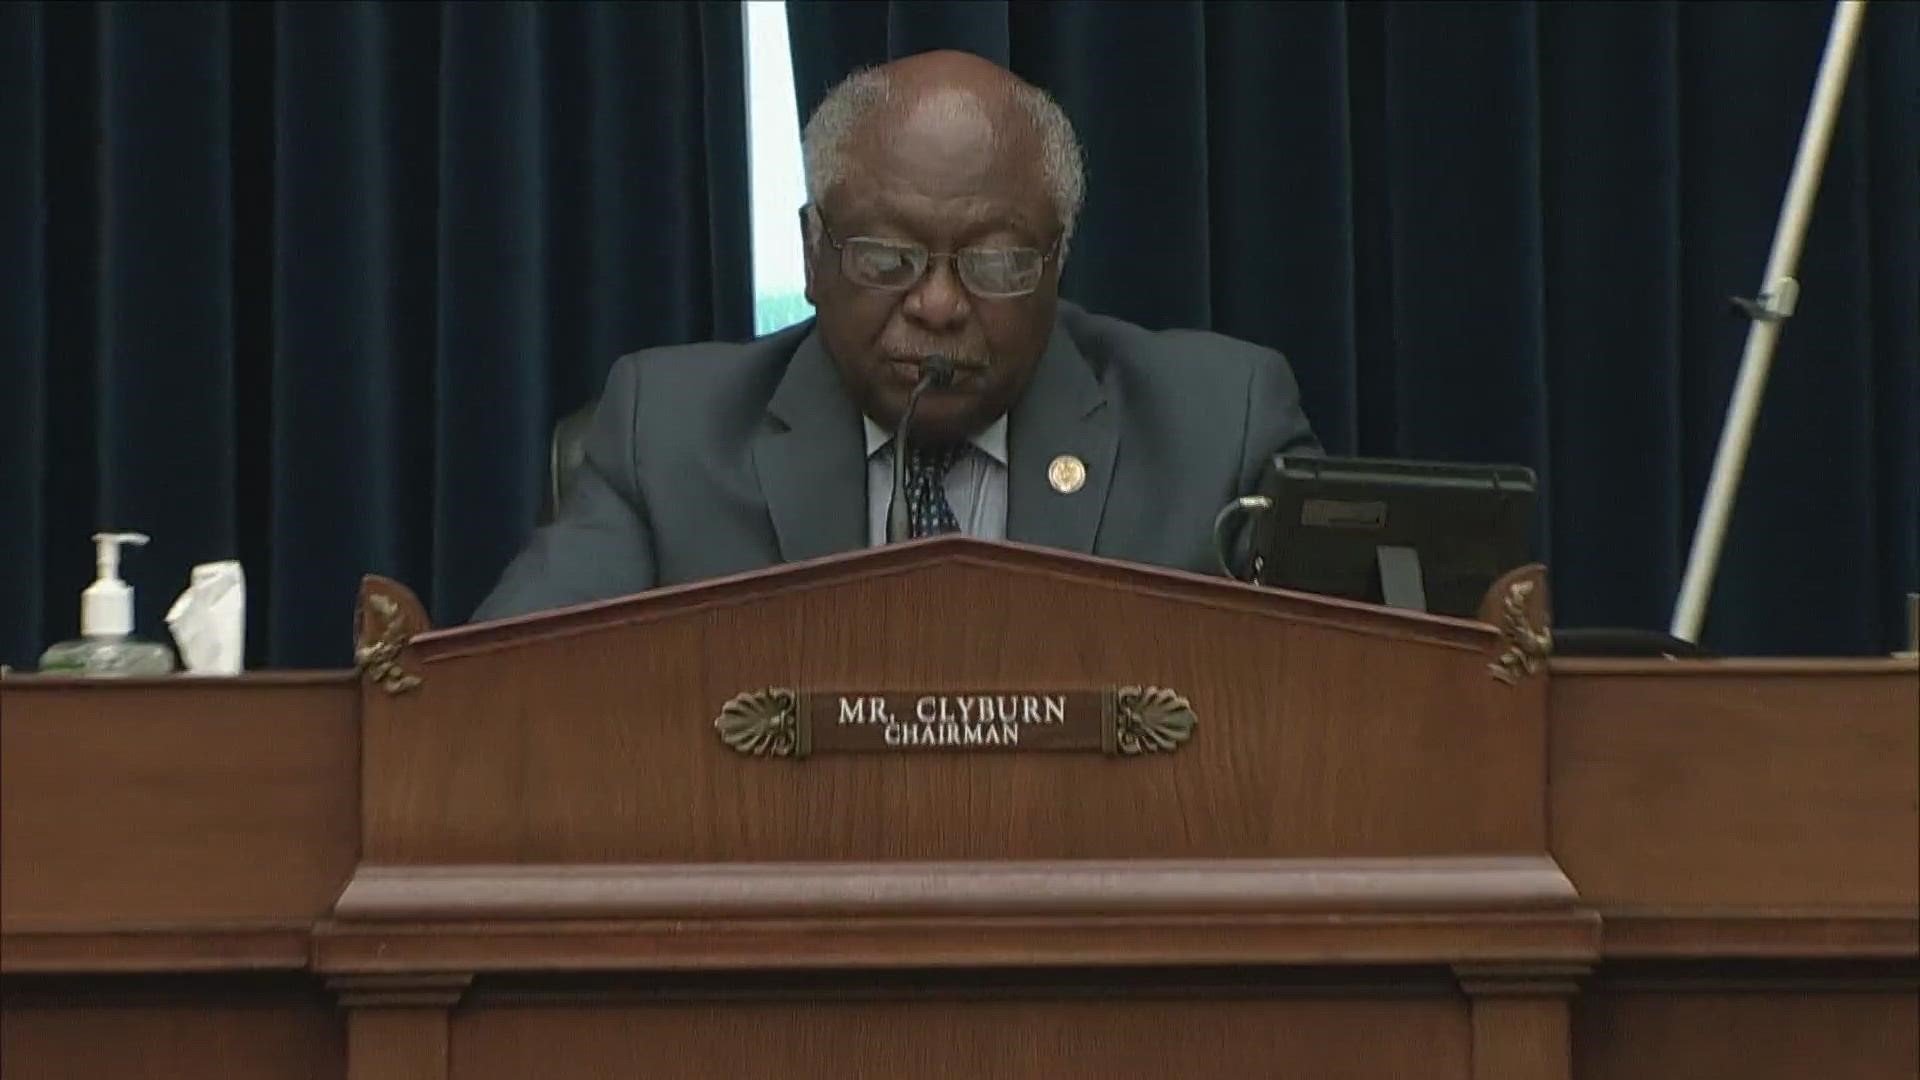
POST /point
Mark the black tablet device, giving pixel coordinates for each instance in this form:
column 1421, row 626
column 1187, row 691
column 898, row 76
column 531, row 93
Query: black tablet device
column 1419, row 535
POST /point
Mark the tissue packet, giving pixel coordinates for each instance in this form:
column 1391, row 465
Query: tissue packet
column 209, row 620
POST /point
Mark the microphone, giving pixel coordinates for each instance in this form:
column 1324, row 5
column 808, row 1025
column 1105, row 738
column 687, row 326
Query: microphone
column 936, row 373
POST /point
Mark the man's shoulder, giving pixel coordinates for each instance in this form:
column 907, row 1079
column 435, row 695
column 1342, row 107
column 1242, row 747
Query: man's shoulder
column 1186, row 355
column 700, row 390
column 713, row 364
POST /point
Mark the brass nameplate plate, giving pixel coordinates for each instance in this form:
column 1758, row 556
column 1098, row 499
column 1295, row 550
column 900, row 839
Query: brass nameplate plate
column 1120, row 720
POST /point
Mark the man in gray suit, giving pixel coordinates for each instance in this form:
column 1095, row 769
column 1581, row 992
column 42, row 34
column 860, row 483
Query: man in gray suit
column 944, row 191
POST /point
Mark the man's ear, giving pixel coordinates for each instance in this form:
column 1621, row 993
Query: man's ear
column 808, row 249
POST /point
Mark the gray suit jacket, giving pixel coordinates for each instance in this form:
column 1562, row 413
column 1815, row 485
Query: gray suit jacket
column 712, row 459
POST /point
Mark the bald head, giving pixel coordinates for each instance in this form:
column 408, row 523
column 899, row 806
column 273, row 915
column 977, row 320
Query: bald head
column 948, row 69
column 949, row 107
column 951, row 68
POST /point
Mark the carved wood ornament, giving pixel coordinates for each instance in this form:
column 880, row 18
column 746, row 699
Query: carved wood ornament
column 1517, row 604
column 387, row 616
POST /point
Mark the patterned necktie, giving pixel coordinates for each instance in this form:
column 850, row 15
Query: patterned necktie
column 928, row 513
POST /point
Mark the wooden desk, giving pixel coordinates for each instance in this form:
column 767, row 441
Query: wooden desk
column 1372, row 860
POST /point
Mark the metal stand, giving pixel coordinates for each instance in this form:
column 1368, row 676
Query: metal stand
column 1778, row 294
column 1401, row 584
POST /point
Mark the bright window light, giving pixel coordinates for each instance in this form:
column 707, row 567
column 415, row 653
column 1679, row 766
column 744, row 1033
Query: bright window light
column 776, row 175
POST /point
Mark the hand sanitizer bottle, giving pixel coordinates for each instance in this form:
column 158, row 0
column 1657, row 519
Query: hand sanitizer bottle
column 106, row 646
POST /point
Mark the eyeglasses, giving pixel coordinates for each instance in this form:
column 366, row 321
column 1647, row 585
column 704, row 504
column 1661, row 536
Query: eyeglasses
column 896, row 266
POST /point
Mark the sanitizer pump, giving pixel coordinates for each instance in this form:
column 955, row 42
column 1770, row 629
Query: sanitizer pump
column 106, row 646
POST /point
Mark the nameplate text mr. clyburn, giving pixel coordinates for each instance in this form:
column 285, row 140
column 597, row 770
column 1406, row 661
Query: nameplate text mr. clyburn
column 1128, row 720
column 950, row 720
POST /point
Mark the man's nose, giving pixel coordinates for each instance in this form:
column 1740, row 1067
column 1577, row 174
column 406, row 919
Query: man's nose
column 938, row 301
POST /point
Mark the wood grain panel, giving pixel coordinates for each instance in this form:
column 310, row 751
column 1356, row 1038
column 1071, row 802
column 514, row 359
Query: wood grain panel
column 151, row 804
column 1016, row 914
column 183, row 1039
column 397, row 1044
column 1324, row 728
column 1780, row 934
column 1430, row 886
column 974, row 1040
column 1739, row 787
column 204, row 947
column 1753, row 1036
column 749, row 945
column 1520, row 1038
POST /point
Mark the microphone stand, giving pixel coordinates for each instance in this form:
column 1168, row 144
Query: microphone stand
column 1778, row 294
column 936, row 373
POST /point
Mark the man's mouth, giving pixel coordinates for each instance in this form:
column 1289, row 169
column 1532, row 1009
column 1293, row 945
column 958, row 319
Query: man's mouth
column 908, row 369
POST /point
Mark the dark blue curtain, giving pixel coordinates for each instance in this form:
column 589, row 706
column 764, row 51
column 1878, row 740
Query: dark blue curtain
column 308, row 284
column 1508, row 232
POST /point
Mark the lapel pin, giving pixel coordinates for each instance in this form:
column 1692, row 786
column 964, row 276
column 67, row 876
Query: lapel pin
column 1067, row 474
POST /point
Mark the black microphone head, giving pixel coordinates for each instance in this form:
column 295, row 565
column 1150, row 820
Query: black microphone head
column 937, row 371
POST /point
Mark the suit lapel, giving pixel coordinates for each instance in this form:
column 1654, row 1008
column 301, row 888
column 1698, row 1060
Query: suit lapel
column 811, row 460
column 1064, row 413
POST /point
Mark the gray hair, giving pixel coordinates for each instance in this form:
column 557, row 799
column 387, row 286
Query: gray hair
column 859, row 95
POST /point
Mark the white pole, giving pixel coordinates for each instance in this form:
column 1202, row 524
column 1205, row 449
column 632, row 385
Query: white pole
column 1778, row 294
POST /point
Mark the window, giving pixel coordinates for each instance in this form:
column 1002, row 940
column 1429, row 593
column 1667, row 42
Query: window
column 776, row 176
